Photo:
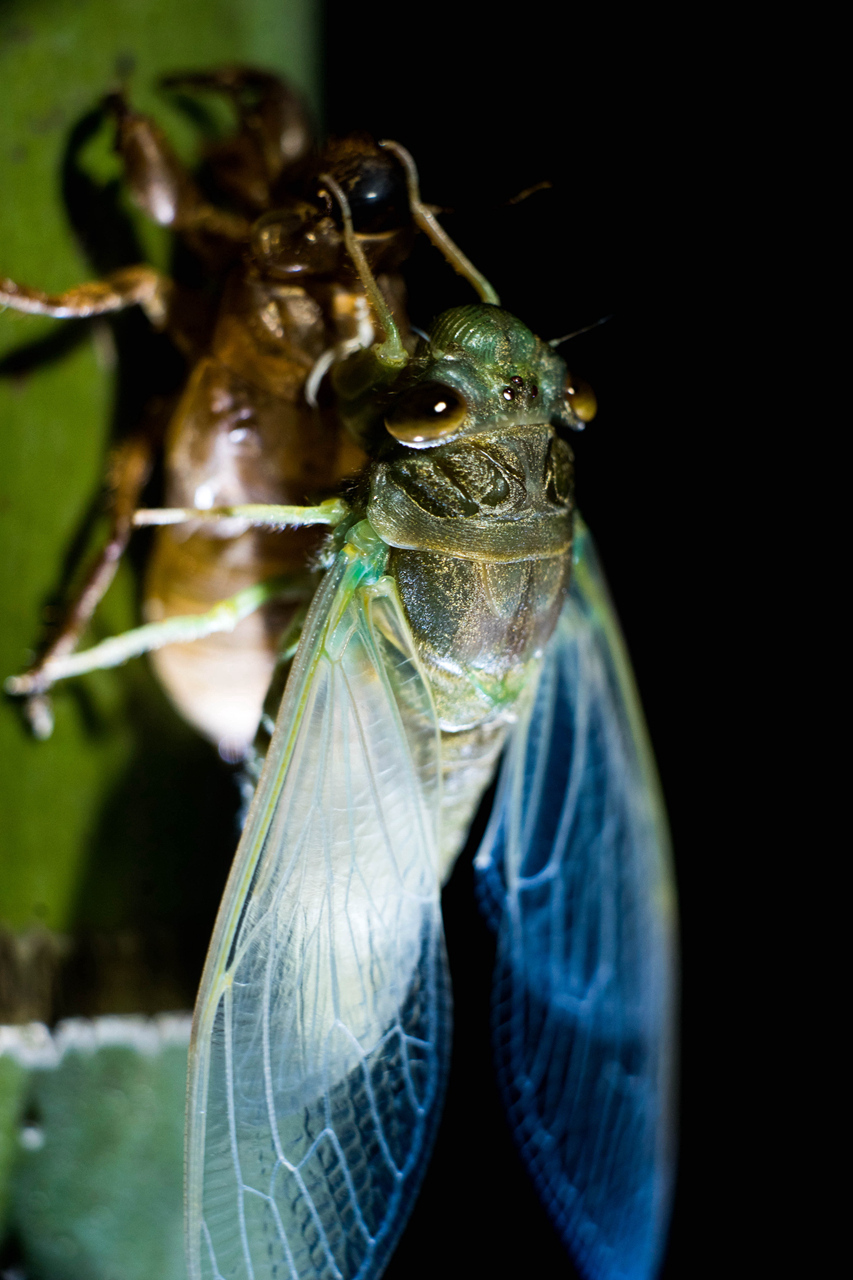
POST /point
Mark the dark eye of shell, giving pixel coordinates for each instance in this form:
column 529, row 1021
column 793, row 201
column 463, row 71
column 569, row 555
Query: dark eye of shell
column 377, row 194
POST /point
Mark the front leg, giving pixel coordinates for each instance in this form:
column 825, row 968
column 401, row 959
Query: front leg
column 275, row 131
column 258, row 515
column 128, row 287
column 160, row 185
column 168, row 307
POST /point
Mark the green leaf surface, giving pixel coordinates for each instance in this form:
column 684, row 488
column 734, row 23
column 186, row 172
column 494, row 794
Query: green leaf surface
column 97, row 1193
column 13, row 1084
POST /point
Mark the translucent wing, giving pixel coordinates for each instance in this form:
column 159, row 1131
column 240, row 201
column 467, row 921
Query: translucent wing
column 319, row 1043
column 577, row 854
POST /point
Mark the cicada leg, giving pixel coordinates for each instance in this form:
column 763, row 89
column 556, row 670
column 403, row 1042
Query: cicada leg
column 258, row 515
column 128, row 474
column 60, row 663
column 275, row 131
column 131, row 464
column 162, row 187
column 128, row 287
column 116, row 650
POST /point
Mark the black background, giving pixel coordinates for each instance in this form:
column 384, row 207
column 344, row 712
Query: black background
column 621, row 122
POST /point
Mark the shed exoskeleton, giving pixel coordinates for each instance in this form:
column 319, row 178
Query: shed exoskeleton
column 282, row 301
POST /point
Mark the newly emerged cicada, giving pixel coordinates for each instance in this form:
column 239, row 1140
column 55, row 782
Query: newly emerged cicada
column 463, row 613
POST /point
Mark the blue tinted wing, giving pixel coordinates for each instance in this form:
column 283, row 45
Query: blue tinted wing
column 319, row 1040
column 577, row 852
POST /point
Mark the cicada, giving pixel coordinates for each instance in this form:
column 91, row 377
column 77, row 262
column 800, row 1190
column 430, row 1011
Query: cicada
column 463, row 614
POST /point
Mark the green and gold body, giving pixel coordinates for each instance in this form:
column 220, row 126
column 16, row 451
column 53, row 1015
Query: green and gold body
column 477, row 517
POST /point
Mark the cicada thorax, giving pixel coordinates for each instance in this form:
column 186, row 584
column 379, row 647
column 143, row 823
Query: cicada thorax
column 479, row 530
column 250, row 428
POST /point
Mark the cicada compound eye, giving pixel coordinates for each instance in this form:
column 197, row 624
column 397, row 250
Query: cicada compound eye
column 426, row 414
column 581, row 397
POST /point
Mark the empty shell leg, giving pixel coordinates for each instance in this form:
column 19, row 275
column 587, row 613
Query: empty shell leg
column 160, row 184
column 275, row 130
column 129, row 471
column 129, row 287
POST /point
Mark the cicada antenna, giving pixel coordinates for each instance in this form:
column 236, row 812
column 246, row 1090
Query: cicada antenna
column 391, row 351
column 558, row 342
column 545, row 185
column 436, row 233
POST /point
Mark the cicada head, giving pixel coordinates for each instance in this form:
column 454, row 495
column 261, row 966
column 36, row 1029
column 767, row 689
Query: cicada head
column 478, row 368
column 370, row 179
column 467, row 458
column 305, row 234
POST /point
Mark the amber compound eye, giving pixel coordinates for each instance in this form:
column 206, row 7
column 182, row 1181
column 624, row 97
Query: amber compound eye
column 581, row 397
column 425, row 414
